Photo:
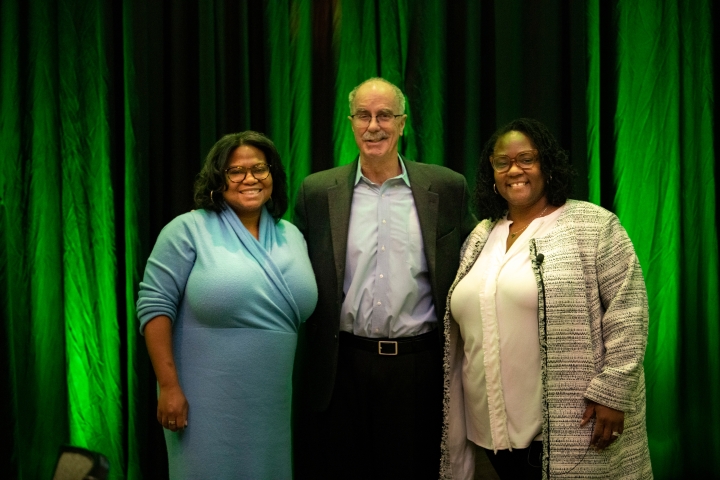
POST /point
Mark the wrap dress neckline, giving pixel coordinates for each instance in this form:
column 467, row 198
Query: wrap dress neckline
column 261, row 250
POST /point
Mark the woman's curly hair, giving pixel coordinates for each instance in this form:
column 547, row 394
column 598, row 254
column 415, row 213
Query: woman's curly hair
column 554, row 165
column 211, row 178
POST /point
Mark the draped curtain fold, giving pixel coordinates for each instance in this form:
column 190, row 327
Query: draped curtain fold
column 58, row 234
column 668, row 206
column 107, row 111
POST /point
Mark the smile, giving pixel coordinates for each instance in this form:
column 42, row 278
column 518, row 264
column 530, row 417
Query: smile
column 251, row 192
column 518, row 184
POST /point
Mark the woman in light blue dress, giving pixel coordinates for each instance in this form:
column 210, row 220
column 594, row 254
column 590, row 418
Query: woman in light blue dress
column 225, row 289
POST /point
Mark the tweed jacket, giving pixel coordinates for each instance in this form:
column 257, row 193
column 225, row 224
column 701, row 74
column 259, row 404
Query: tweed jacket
column 592, row 328
column 322, row 213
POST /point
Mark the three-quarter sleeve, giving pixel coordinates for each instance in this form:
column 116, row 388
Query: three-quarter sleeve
column 167, row 271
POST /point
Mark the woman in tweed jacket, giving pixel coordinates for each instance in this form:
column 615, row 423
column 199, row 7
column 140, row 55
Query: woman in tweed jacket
column 545, row 327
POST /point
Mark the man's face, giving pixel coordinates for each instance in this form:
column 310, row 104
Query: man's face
column 377, row 140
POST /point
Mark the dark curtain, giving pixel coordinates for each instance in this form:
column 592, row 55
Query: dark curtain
column 108, row 108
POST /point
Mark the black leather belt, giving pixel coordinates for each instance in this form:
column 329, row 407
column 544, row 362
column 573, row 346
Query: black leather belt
column 392, row 346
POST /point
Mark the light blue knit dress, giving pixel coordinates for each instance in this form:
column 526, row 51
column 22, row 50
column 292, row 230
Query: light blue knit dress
column 236, row 305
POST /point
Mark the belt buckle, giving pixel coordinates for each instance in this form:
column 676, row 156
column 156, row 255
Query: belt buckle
column 389, row 342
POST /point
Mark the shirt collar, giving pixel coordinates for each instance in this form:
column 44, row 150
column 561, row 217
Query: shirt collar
column 403, row 175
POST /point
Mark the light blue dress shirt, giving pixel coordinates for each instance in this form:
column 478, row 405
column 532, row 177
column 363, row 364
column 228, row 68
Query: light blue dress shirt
column 387, row 284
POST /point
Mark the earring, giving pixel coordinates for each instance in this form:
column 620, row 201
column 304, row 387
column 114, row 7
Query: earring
column 495, row 189
column 211, row 198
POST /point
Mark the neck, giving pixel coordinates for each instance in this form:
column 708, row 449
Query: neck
column 527, row 213
column 377, row 170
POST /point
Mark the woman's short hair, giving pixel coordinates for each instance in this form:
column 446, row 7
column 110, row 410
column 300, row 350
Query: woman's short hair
column 554, row 164
column 211, row 178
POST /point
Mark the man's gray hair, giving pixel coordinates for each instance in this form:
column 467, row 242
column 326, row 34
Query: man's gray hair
column 399, row 97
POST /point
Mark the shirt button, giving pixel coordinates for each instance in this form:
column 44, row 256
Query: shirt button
column 383, row 248
column 381, row 275
column 384, row 220
column 379, row 303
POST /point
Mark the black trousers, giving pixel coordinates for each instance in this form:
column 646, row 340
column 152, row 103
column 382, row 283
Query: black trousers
column 520, row 464
column 384, row 419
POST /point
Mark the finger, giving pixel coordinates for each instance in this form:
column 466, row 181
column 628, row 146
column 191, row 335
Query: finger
column 611, row 433
column 598, row 431
column 184, row 420
column 606, row 438
column 172, row 424
column 616, row 431
column 589, row 411
column 181, row 420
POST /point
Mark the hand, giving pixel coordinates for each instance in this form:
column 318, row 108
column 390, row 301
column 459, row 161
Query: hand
column 172, row 408
column 607, row 421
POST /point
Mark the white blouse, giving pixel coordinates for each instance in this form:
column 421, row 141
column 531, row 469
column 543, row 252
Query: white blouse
column 496, row 307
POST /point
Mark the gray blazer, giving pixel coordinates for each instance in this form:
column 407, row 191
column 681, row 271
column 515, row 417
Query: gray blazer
column 322, row 213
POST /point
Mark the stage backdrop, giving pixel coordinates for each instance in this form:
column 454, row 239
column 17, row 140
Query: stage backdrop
column 108, row 108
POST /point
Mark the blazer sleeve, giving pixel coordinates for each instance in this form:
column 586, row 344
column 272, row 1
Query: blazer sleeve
column 624, row 322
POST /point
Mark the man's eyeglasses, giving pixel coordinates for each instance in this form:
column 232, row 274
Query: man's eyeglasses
column 237, row 174
column 524, row 160
column 363, row 119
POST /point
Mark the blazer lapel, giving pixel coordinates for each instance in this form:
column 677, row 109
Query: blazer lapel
column 339, row 203
column 426, row 203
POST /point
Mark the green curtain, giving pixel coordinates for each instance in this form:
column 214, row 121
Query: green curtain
column 381, row 48
column 593, row 101
column 108, row 108
column 665, row 94
column 31, row 259
column 656, row 155
column 354, row 42
column 134, row 142
column 289, row 51
column 59, row 267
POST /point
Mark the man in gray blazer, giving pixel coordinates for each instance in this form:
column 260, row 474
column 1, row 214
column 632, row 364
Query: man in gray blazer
column 384, row 236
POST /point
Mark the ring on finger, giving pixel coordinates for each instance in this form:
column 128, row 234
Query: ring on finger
column 171, row 422
column 615, row 434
